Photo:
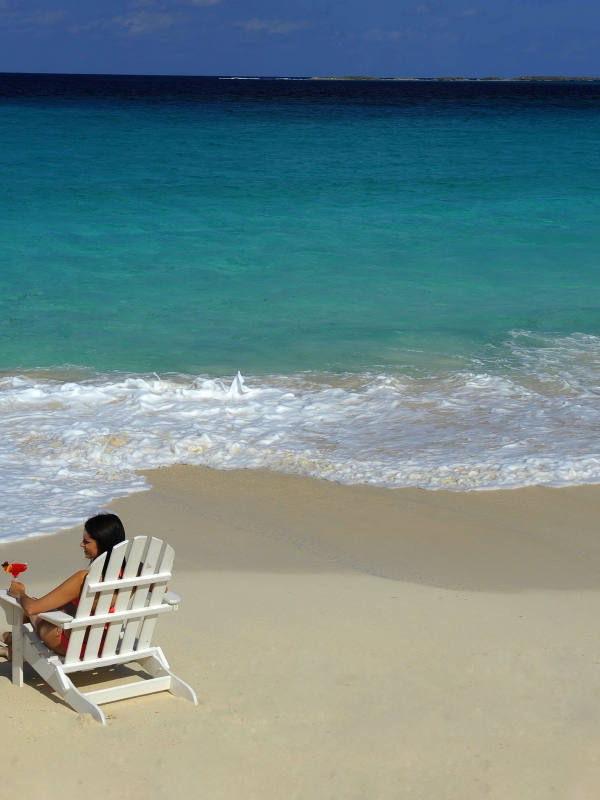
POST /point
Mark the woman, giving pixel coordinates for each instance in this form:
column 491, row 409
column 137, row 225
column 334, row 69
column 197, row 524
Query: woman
column 100, row 534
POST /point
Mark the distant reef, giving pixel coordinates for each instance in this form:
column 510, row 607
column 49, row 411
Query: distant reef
column 525, row 78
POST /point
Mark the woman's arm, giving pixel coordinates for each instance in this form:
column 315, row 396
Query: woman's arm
column 63, row 594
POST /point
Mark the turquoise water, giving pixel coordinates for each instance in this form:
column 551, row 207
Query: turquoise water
column 281, row 234
column 406, row 275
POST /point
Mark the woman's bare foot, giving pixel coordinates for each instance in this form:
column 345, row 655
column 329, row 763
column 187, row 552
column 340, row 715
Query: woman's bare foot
column 6, row 639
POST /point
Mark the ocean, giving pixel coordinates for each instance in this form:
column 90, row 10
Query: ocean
column 405, row 275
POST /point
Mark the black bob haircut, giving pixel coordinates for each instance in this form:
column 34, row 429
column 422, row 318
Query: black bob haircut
column 107, row 531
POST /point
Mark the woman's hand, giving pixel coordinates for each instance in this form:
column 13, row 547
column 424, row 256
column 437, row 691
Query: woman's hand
column 16, row 589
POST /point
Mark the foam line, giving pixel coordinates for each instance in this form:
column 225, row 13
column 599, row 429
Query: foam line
column 67, row 448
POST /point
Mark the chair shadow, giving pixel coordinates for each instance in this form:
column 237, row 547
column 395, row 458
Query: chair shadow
column 107, row 675
column 83, row 681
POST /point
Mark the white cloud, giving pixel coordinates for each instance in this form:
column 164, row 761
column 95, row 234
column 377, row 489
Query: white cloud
column 139, row 23
column 202, row 2
column 271, row 25
column 469, row 12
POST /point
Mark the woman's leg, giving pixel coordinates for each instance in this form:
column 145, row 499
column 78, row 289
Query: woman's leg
column 50, row 636
column 48, row 633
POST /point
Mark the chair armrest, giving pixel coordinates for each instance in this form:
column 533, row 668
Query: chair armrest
column 171, row 599
column 5, row 597
column 11, row 607
column 56, row 617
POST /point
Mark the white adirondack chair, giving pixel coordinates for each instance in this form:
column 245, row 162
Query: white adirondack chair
column 112, row 638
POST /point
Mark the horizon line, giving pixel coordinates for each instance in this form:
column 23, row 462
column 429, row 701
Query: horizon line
column 350, row 78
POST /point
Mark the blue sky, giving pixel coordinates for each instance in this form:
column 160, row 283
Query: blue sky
column 307, row 37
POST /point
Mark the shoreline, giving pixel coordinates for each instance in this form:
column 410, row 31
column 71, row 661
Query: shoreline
column 71, row 447
column 448, row 538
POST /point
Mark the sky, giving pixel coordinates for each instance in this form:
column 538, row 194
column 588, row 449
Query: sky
column 385, row 38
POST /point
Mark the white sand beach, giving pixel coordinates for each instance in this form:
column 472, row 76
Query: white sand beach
column 345, row 642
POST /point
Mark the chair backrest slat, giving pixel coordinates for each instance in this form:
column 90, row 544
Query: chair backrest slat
column 156, row 596
column 104, row 601
column 134, row 559
column 105, row 639
column 140, row 597
column 86, row 601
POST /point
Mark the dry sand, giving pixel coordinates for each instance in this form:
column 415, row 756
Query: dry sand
column 345, row 643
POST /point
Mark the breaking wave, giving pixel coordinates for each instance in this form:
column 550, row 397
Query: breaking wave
column 530, row 417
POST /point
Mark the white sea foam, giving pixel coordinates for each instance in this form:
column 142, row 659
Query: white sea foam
column 67, row 448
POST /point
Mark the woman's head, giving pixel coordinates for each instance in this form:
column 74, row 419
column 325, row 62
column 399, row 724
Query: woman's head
column 100, row 534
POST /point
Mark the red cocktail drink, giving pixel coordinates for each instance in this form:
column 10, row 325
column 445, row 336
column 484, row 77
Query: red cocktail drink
column 14, row 568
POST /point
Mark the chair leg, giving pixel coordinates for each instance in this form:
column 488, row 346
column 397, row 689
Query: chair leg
column 17, row 647
column 63, row 686
column 155, row 667
column 181, row 689
column 80, row 703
